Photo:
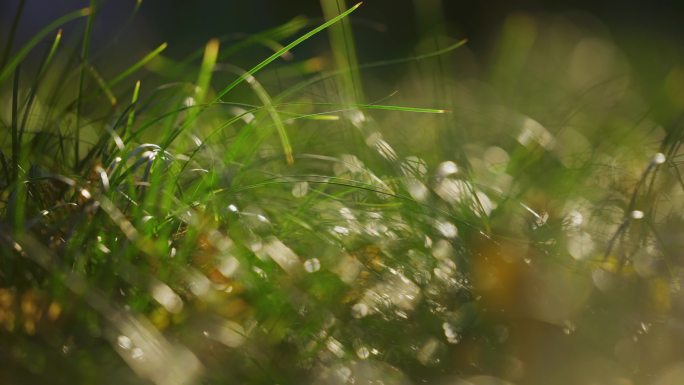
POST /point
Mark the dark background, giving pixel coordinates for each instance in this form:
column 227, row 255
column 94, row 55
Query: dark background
column 187, row 24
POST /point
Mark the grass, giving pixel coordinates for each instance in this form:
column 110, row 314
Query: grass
column 158, row 225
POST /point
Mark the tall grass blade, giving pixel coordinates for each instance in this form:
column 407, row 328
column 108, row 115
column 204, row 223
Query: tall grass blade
column 130, row 70
column 37, row 38
column 39, row 78
column 99, row 80
column 85, row 50
column 12, row 34
column 131, row 115
column 344, row 52
column 288, row 47
column 263, row 64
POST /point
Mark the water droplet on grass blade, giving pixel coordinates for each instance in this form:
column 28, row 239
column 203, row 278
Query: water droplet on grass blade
column 417, row 189
column 166, row 297
column 300, row 189
column 340, row 230
column 447, row 168
column 312, row 265
column 359, row 310
column 451, row 334
column 335, row 347
column 362, row 352
column 447, row 229
column 137, row 354
column 124, row 342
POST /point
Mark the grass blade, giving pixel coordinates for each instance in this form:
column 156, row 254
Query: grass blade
column 16, row 145
column 131, row 115
column 130, row 70
column 283, row 50
column 382, row 63
column 41, row 73
column 344, row 53
column 265, row 98
column 250, row 74
column 102, row 84
column 12, row 34
column 14, row 62
column 85, row 49
column 377, row 107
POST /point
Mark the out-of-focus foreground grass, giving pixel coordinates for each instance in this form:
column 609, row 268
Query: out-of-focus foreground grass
column 511, row 216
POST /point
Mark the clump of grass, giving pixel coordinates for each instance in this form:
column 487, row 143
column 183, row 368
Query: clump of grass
column 158, row 225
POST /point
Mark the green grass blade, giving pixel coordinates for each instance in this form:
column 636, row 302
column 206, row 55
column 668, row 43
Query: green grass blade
column 130, row 70
column 249, row 74
column 12, row 34
column 283, row 50
column 18, row 206
column 131, row 115
column 383, row 63
column 265, row 98
column 102, row 84
column 16, row 146
column 344, row 53
column 281, row 32
column 204, row 77
column 39, row 78
column 85, row 50
column 14, row 62
column 376, row 107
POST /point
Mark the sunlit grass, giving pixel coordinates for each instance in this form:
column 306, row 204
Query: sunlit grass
column 185, row 221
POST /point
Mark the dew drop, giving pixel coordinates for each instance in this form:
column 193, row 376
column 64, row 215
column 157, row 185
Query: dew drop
column 335, row 347
column 166, row 297
column 447, row 168
column 363, row 352
column 575, row 218
column 312, row 265
column 137, row 354
column 637, row 214
column 452, row 336
column 359, row 310
column 300, row 189
column 447, row 229
column 341, row 230
column 189, row 101
column 124, row 342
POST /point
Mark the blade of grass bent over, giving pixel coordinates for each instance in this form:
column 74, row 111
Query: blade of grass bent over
column 265, row 99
